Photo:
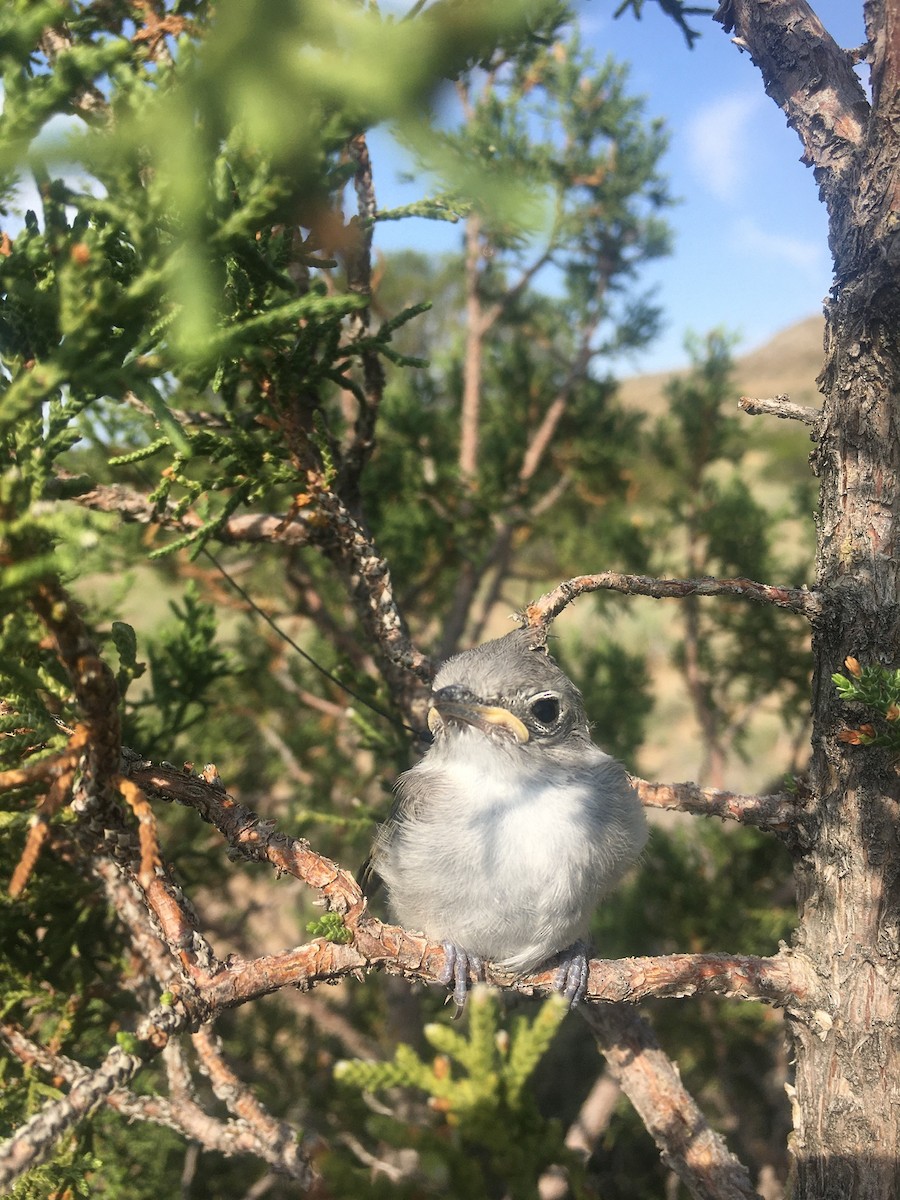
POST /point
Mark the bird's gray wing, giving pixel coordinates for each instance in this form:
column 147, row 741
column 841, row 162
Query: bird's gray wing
column 407, row 799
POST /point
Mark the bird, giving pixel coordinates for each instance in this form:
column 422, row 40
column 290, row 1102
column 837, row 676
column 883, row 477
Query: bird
column 503, row 838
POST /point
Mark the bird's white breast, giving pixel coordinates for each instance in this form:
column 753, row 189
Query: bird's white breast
column 504, row 856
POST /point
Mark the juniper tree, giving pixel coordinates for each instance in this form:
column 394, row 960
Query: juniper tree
column 190, row 348
column 190, row 345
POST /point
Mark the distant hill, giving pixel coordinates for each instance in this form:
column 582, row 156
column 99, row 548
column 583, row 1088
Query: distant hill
column 788, row 363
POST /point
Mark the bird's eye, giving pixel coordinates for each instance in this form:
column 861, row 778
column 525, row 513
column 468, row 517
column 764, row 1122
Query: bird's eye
column 545, row 709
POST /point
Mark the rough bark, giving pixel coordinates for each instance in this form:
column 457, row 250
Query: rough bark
column 846, row 1141
column 687, row 1144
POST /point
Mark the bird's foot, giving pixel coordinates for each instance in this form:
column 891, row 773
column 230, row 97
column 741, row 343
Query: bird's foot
column 572, row 973
column 459, row 964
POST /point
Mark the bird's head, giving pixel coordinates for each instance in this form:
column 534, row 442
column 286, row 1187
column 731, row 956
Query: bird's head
column 511, row 690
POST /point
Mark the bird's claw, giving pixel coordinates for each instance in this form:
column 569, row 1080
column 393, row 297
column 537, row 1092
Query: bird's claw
column 571, row 978
column 459, row 964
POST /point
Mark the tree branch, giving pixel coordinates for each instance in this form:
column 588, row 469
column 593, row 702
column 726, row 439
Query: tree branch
column 778, row 813
column 687, row 1144
column 781, row 406
column 470, row 412
column 249, row 835
column 94, row 686
column 179, row 1112
column 812, row 81
column 782, row 979
column 33, row 1142
column 583, row 1134
column 87, row 100
column 368, row 579
column 359, row 282
column 134, row 507
column 542, row 611
column 279, row 1138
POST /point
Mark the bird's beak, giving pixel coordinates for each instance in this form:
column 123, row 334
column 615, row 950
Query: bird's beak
column 485, row 717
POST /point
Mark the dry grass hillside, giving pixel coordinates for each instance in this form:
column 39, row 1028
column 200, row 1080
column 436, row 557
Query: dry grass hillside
column 788, row 363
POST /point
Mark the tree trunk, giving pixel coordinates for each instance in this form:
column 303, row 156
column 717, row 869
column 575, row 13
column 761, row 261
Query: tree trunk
column 847, row 1113
column 846, row 1142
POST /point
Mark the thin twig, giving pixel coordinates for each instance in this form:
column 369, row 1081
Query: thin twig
column 33, row 1142
column 180, row 1112
column 206, row 420
column 249, row 528
column 542, row 611
column 280, row 1139
column 781, row 406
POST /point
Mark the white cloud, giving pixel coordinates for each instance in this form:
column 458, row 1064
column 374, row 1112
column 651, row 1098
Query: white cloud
column 718, row 142
column 804, row 254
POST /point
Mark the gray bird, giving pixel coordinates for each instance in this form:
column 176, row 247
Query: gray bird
column 504, row 837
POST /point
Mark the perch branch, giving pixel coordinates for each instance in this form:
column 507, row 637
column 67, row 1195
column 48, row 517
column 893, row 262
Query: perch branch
column 542, row 611
column 780, row 980
column 687, row 1144
column 213, row 986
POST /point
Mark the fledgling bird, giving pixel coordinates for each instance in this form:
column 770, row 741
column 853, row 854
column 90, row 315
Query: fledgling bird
column 503, row 838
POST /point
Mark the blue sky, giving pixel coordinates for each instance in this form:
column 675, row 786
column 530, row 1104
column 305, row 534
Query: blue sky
column 750, row 245
column 751, row 250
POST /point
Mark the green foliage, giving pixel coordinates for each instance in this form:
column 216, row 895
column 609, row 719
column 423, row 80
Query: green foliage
column 724, row 886
column 617, row 692
column 878, row 689
column 735, row 655
column 331, row 927
column 483, row 1129
column 553, row 309
column 187, row 340
column 185, row 664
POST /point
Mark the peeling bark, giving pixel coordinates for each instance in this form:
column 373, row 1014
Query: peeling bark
column 846, row 1140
